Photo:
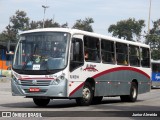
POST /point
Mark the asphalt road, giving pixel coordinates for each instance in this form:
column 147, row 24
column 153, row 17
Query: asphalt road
column 110, row 107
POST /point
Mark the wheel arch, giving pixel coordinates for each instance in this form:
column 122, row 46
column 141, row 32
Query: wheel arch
column 91, row 81
column 135, row 81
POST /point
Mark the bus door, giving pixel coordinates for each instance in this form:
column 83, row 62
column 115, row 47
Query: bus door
column 76, row 63
column 76, row 54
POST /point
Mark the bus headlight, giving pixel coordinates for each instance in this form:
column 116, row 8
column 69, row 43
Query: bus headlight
column 58, row 80
column 15, row 79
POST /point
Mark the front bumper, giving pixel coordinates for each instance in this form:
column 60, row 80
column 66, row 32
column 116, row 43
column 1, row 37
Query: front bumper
column 155, row 84
column 59, row 90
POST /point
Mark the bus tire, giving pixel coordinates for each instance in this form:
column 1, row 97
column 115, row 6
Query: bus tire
column 97, row 100
column 41, row 102
column 133, row 94
column 87, row 95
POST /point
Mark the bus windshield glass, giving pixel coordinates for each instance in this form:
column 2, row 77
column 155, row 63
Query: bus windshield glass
column 156, row 67
column 41, row 51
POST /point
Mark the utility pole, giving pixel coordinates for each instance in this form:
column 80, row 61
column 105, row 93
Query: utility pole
column 45, row 7
column 149, row 16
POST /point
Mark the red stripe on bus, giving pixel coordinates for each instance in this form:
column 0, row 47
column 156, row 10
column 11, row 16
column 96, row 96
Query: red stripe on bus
column 121, row 69
column 80, row 86
column 36, row 78
column 109, row 71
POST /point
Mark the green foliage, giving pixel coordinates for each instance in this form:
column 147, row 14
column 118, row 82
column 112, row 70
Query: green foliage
column 39, row 24
column 84, row 24
column 10, row 34
column 49, row 23
column 155, row 54
column 127, row 29
column 153, row 39
column 20, row 21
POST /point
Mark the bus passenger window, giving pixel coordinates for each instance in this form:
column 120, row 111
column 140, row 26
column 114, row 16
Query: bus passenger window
column 134, row 55
column 107, row 51
column 86, row 55
column 145, row 57
column 91, row 49
column 122, row 53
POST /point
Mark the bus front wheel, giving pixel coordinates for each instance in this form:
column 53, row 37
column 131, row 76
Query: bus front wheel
column 133, row 94
column 41, row 102
column 87, row 95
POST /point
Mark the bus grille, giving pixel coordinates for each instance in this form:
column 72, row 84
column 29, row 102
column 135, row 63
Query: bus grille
column 35, row 82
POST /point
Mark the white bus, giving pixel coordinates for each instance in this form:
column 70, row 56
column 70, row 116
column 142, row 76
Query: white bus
column 155, row 73
column 62, row 63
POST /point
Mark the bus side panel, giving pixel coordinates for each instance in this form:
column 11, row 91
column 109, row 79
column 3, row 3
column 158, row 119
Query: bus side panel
column 113, row 84
column 115, row 81
column 156, row 78
column 119, row 82
column 144, row 87
column 75, row 92
column 111, row 88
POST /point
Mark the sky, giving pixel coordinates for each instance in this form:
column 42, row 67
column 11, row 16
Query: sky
column 103, row 12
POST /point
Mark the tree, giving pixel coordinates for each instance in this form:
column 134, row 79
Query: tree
column 39, row 24
column 153, row 39
column 18, row 22
column 127, row 29
column 47, row 24
column 10, row 34
column 84, row 24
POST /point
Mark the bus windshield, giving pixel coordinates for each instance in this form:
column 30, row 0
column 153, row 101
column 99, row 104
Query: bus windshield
column 156, row 67
column 155, row 74
column 41, row 51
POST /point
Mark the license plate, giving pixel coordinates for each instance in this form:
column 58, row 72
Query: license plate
column 34, row 90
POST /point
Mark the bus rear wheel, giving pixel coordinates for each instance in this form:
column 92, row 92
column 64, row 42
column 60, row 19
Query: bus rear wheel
column 41, row 102
column 133, row 94
column 87, row 95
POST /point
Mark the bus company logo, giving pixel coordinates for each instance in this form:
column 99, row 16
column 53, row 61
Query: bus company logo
column 34, row 82
column 157, row 77
column 90, row 68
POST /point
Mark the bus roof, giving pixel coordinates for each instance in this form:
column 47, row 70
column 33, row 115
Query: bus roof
column 155, row 61
column 76, row 31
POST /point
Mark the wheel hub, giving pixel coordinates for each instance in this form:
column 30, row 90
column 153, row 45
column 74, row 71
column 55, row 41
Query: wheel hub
column 86, row 94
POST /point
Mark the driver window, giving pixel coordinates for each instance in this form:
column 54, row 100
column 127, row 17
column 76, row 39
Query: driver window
column 76, row 54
